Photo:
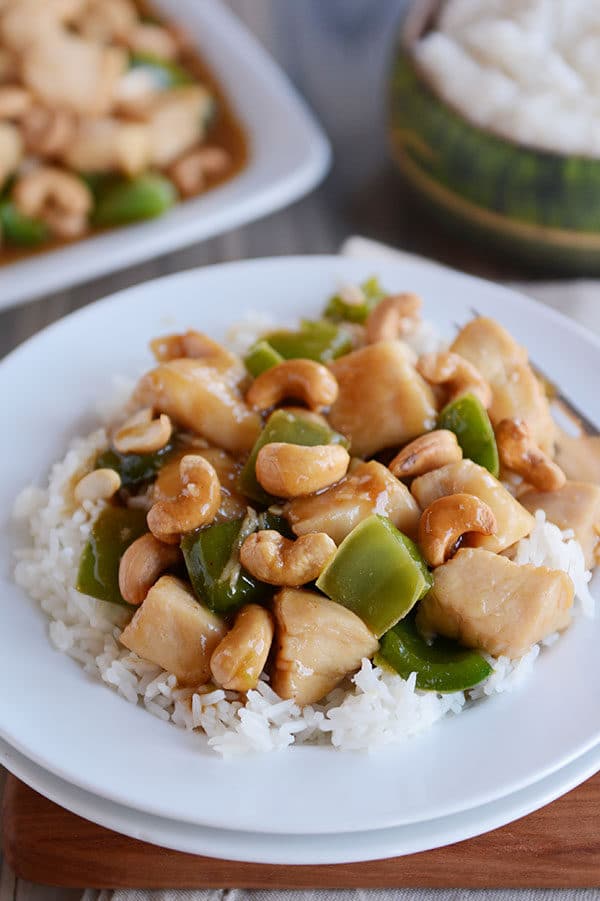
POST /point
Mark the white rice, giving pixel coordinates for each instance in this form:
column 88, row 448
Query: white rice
column 526, row 69
column 372, row 710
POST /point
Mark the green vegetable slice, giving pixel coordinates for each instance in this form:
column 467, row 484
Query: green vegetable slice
column 318, row 340
column 112, row 533
column 468, row 419
column 21, row 230
column 378, row 573
column 135, row 468
column 291, row 428
column 127, row 200
column 212, row 560
column 443, row 666
column 341, row 310
column 261, row 357
column 165, row 73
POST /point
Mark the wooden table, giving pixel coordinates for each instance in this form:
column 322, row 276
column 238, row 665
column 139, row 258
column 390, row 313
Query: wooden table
column 336, row 54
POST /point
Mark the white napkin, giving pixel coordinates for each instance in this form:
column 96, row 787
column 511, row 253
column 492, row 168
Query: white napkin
column 580, row 300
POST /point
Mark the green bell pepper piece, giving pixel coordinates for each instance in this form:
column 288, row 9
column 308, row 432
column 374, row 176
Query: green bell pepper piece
column 318, row 340
column 135, row 468
column 443, row 666
column 290, row 428
column 261, row 357
column 468, row 419
column 340, row 310
column 274, row 522
column 207, row 554
column 378, row 573
column 127, row 200
column 112, row 533
column 21, row 230
column 165, row 73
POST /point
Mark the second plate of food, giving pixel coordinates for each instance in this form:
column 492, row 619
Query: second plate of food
column 489, row 741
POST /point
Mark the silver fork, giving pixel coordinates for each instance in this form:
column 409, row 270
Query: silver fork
column 557, row 396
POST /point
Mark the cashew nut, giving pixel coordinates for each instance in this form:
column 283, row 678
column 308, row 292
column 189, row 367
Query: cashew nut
column 48, row 132
column 195, row 506
column 142, row 564
column 14, row 101
column 271, row 558
column 97, row 485
column 61, row 200
column 292, row 470
column 519, row 452
column 141, row 434
column 456, row 374
column 190, row 171
column 240, row 657
column 431, row 451
column 303, row 380
column 153, row 40
column 448, row 518
column 393, row 317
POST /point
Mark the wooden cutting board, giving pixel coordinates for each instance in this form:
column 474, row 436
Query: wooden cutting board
column 559, row 846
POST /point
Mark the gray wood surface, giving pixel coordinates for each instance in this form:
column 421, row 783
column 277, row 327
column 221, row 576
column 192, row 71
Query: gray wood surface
column 336, row 52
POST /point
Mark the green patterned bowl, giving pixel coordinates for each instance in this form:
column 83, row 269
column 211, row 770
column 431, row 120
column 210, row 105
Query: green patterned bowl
column 543, row 208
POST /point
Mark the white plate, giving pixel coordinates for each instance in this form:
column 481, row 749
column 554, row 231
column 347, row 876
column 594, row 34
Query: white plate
column 289, row 154
column 82, row 732
column 301, row 849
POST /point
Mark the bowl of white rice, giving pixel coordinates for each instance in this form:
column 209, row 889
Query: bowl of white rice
column 494, row 119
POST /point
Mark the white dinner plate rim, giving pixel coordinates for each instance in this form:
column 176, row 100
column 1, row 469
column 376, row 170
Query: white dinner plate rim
column 337, row 265
column 301, row 850
column 228, row 206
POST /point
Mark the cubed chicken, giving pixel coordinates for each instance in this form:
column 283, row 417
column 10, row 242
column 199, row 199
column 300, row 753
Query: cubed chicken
column 579, row 457
column 382, row 400
column 174, row 631
column 369, row 488
column 70, row 73
column 101, row 145
column 204, row 396
column 487, row 602
column 177, row 121
column 319, row 642
column 575, row 506
column 168, row 482
column 11, row 150
column 513, row 521
column 516, row 392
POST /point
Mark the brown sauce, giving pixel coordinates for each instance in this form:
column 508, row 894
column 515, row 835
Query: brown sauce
column 225, row 131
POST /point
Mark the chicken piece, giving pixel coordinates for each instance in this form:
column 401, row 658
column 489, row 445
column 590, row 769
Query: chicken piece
column 579, row 456
column 369, row 488
column 106, row 21
column 203, row 397
column 168, row 485
column 240, row 657
column 319, row 642
column 516, row 392
column 65, row 71
column 382, row 400
column 102, row 145
column 177, row 120
column 488, row 602
column 174, row 631
column 575, row 506
column 24, row 22
column 11, row 150
column 153, row 40
column 513, row 521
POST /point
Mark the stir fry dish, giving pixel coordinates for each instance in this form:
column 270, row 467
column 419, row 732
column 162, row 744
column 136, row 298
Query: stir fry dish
column 333, row 498
column 106, row 117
